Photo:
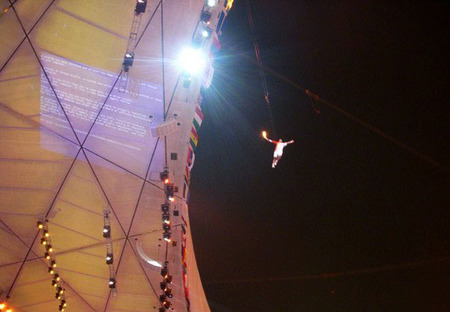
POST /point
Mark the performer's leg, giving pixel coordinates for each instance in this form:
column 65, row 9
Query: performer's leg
column 275, row 161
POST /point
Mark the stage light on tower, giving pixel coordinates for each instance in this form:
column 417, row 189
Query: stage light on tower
column 106, row 231
column 109, row 258
column 211, row 3
column 140, row 6
column 112, row 283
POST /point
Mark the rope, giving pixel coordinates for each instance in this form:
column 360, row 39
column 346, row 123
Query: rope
column 334, row 275
column 260, row 66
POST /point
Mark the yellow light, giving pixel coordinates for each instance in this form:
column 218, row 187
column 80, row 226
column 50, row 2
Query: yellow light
column 9, row 310
column 264, row 134
column 2, row 305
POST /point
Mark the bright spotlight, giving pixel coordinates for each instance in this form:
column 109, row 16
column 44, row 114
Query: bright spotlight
column 192, row 61
column 211, row 3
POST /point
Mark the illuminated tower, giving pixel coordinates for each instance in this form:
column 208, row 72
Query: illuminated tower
column 100, row 104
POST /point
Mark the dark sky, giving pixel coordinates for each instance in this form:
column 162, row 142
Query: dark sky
column 342, row 199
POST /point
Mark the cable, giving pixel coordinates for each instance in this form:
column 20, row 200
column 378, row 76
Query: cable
column 332, row 275
column 260, row 66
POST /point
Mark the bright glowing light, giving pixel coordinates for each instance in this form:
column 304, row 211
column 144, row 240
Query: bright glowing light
column 264, row 134
column 211, row 3
column 2, row 306
column 192, row 61
column 205, row 34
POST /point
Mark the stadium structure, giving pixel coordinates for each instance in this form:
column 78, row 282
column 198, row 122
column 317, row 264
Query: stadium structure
column 100, row 106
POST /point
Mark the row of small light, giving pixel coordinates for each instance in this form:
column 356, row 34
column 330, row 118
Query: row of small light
column 164, row 285
column 109, row 251
column 48, row 255
column 169, row 190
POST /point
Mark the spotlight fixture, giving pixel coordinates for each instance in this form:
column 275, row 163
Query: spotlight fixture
column 206, row 32
column 53, row 263
column 64, row 303
column 2, row 305
column 169, row 189
column 44, row 241
column 107, row 231
column 205, row 17
column 61, row 307
column 49, row 248
column 112, row 283
column 166, row 218
column 167, row 237
column 164, row 175
column 168, row 278
column 40, row 225
column 51, row 270
column 164, row 271
column 60, row 290
column 58, row 296
column 211, row 3
column 166, row 227
column 46, row 233
column 163, row 285
column 56, row 277
column 54, row 283
column 166, row 304
column 109, row 258
column 165, row 207
column 47, row 256
column 140, row 6
column 168, row 292
column 162, row 298
column 128, row 61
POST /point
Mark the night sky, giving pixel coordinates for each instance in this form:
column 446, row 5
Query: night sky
column 348, row 221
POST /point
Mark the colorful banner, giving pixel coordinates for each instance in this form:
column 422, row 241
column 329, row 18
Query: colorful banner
column 184, row 264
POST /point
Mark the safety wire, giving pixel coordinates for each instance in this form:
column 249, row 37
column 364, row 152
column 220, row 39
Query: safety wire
column 260, row 66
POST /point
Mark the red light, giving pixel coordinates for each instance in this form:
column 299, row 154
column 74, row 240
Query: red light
column 166, row 181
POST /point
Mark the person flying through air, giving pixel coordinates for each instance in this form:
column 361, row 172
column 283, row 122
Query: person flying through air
column 279, row 145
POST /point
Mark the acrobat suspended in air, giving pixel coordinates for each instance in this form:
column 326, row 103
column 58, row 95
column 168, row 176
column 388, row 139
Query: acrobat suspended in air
column 279, row 145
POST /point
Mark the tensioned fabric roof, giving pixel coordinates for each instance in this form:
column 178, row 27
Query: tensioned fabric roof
column 76, row 141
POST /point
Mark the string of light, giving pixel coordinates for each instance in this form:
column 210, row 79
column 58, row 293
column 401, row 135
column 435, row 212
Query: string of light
column 169, row 190
column 57, row 282
column 109, row 251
